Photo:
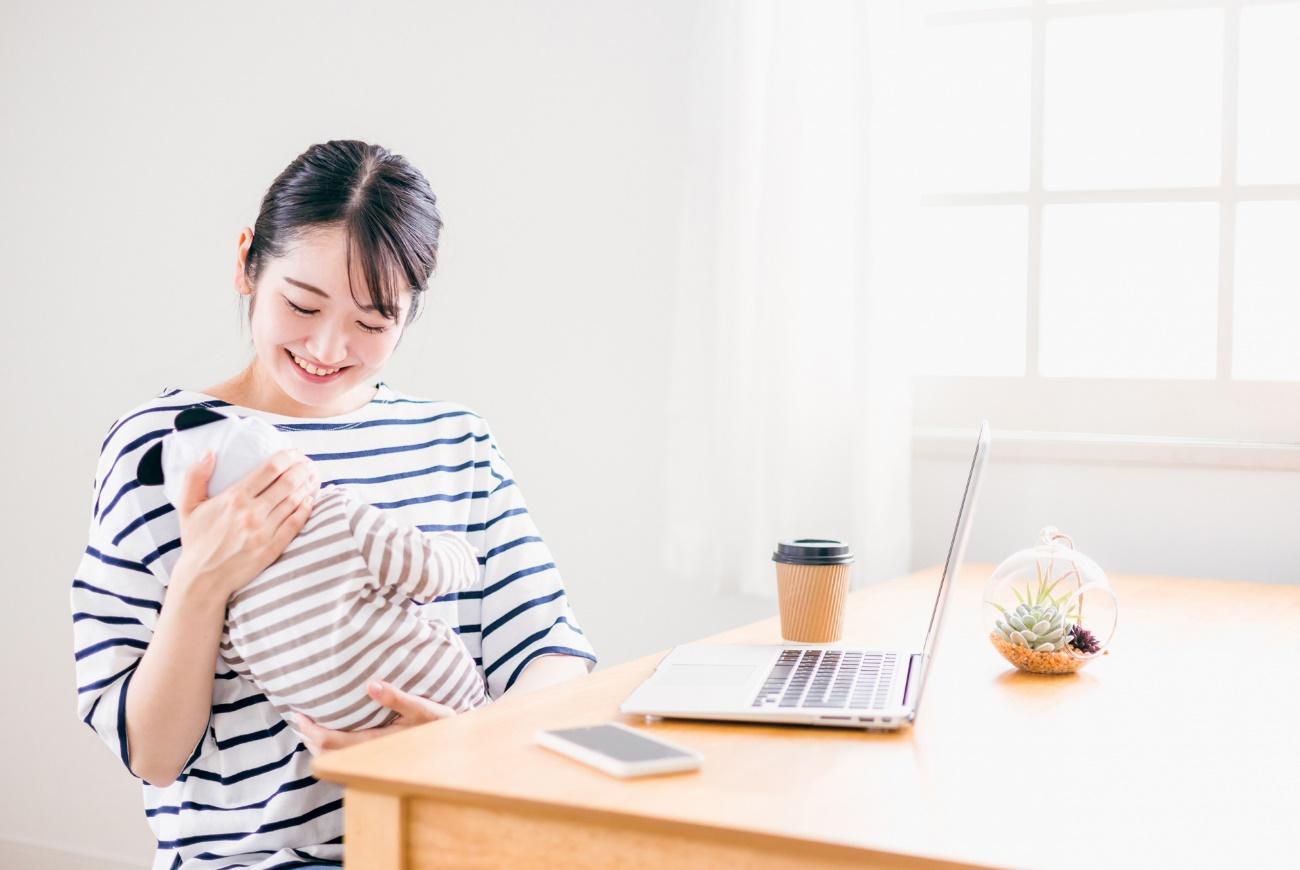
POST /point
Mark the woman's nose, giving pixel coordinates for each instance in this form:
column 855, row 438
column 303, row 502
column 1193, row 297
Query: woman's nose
column 328, row 348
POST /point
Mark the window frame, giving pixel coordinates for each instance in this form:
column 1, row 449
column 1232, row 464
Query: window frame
column 1139, row 413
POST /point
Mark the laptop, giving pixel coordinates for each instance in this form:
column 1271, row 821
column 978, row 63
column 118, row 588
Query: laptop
column 806, row 684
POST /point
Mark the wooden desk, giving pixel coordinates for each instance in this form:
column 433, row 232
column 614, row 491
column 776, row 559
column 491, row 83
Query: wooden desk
column 1180, row 748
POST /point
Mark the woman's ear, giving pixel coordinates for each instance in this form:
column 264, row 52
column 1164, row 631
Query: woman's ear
column 245, row 241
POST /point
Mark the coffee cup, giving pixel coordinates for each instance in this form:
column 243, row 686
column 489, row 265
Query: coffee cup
column 812, row 582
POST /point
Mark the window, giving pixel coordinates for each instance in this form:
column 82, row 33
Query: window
column 1111, row 209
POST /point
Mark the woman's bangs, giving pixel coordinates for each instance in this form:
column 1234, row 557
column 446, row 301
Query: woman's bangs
column 382, row 272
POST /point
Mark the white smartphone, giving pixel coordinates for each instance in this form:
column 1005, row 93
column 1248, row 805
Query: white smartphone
column 619, row 750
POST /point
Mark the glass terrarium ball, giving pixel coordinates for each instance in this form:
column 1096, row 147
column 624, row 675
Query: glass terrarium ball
column 1050, row 609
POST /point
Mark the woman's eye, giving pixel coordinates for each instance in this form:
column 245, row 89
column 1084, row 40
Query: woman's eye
column 307, row 312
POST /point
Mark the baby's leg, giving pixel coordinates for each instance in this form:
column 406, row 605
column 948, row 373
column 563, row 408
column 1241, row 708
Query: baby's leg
column 452, row 678
column 426, row 659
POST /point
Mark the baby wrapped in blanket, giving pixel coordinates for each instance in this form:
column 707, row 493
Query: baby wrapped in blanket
column 326, row 618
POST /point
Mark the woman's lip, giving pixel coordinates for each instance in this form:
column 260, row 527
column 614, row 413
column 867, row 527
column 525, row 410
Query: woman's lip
column 319, row 379
column 312, row 361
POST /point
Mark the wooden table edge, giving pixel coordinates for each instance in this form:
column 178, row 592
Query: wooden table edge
column 656, row 825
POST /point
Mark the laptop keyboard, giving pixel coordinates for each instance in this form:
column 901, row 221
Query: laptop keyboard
column 828, row 679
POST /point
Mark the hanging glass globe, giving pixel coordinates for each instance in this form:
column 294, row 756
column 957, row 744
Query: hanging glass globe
column 1050, row 609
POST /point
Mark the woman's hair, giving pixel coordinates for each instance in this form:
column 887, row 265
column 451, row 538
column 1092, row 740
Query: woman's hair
column 386, row 208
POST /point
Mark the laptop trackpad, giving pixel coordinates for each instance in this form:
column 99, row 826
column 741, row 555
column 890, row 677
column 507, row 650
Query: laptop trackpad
column 707, row 675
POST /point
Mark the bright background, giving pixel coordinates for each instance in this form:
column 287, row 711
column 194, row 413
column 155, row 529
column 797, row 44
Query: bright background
column 695, row 253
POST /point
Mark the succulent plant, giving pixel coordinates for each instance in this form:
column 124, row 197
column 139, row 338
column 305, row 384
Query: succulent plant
column 1038, row 622
column 1040, row 627
column 1083, row 640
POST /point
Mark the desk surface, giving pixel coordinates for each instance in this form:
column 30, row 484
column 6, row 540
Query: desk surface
column 1180, row 747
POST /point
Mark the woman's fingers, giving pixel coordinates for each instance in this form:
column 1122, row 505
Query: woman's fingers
column 194, row 489
column 412, row 708
column 289, row 486
column 305, row 486
column 288, row 520
column 268, row 472
column 320, row 739
column 309, row 731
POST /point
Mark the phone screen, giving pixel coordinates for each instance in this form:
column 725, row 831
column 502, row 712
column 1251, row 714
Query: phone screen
column 618, row 743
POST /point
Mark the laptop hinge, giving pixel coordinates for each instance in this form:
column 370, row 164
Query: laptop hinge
column 915, row 676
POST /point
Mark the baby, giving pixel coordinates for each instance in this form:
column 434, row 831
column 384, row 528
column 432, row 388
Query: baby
column 327, row 617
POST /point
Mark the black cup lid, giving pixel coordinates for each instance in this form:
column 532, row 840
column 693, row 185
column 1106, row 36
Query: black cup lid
column 813, row 551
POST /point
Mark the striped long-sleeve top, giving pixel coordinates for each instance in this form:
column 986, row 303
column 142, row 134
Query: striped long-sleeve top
column 331, row 614
column 246, row 797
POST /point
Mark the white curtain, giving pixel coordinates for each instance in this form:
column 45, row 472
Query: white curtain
column 789, row 404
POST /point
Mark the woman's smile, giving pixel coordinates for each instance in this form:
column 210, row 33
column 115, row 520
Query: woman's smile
column 312, row 373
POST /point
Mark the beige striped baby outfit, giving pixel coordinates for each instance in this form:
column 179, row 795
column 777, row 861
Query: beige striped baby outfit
column 331, row 615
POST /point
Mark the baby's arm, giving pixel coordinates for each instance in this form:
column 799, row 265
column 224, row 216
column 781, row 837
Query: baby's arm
column 421, row 566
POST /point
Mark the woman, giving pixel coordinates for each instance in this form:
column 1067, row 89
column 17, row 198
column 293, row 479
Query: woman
column 333, row 271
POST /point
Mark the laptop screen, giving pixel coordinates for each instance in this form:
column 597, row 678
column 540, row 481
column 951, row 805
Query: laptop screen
column 956, row 550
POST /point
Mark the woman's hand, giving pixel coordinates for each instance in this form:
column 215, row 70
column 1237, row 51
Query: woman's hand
column 231, row 538
column 411, row 710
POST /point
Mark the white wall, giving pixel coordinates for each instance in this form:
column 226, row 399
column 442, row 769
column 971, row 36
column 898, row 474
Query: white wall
column 138, row 139
column 1226, row 523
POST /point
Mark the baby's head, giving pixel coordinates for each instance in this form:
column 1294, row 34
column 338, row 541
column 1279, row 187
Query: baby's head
column 239, row 445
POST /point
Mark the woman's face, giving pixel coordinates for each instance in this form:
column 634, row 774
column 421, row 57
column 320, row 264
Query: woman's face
column 318, row 344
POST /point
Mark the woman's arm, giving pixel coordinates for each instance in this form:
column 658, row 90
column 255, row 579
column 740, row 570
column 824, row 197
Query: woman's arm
column 547, row 670
column 525, row 613
column 171, row 692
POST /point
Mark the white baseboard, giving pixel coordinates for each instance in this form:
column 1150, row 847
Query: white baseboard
column 31, row 856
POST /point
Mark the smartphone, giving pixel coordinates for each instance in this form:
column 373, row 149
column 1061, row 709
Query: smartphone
column 619, row 750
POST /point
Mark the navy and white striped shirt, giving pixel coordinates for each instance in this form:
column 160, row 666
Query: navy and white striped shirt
column 246, row 797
